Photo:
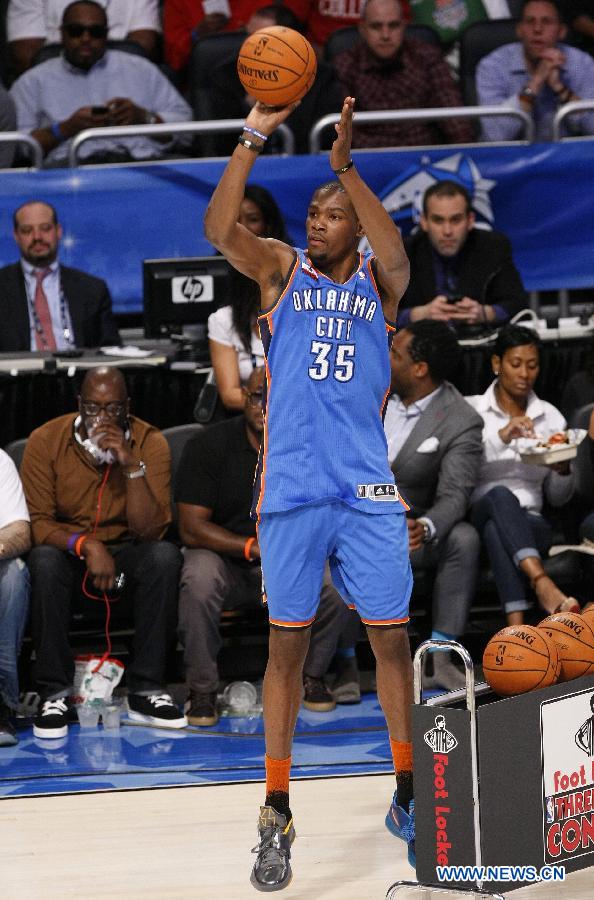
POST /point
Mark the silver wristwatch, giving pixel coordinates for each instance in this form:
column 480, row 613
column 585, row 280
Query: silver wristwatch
column 137, row 473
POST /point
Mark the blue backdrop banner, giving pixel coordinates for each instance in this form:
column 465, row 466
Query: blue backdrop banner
column 540, row 195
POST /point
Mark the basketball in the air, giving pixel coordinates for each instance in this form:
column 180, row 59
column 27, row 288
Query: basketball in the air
column 520, row 658
column 276, row 65
column 574, row 636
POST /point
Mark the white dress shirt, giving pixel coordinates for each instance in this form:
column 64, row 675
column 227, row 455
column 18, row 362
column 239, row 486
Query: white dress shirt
column 400, row 420
column 222, row 331
column 502, row 464
column 58, row 308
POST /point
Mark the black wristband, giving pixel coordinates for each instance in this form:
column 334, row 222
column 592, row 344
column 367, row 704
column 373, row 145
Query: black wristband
column 344, row 169
column 250, row 145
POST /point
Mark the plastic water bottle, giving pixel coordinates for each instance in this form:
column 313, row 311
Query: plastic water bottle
column 240, row 697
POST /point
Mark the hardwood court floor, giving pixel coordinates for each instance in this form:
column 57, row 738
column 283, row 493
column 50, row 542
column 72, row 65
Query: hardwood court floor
column 194, row 842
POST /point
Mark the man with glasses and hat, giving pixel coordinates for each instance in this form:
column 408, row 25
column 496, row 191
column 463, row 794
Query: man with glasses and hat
column 97, row 485
column 89, row 86
column 221, row 571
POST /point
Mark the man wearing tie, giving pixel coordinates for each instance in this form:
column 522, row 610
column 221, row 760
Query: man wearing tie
column 43, row 304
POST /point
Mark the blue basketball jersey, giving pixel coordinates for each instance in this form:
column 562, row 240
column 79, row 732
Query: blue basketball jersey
column 327, row 381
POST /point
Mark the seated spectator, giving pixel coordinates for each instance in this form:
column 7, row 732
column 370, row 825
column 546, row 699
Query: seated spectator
column 185, row 21
column 386, row 70
column 507, row 502
column 89, row 86
column 43, row 304
column 98, row 490
column 7, row 123
column 32, row 23
column 222, row 557
column 234, row 339
column 458, row 273
column 450, row 18
column 229, row 100
column 537, row 75
column 435, row 448
column 324, row 18
column 15, row 540
column 579, row 15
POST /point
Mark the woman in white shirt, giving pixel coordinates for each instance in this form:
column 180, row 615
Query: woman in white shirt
column 506, row 506
column 234, row 340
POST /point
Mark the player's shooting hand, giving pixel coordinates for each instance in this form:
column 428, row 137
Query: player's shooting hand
column 340, row 154
column 416, row 533
column 267, row 118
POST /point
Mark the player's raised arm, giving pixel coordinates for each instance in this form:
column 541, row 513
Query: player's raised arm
column 376, row 222
column 252, row 255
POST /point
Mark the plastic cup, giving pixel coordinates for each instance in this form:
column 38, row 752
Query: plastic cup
column 111, row 715
column 240, row 696
column 88, row 716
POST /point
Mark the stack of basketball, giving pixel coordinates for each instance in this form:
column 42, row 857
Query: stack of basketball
column 522, row 658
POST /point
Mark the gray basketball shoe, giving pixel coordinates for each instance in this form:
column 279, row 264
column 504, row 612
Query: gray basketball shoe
column 272, row 869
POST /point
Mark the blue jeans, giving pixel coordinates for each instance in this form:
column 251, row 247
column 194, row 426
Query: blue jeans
column 14, row 608
column 510, row 534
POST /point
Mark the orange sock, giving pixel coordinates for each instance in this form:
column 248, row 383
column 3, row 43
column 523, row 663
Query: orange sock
column 277, row 774
column 402, row 755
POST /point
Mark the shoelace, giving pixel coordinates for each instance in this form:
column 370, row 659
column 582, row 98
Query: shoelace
column 51, row 707
column 160, row 700
column 270, row 847
column 407, row 829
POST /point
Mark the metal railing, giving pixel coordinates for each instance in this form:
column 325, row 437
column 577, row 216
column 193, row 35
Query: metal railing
column 211, row 126
column 19, row 137
column 566, row 110
column 421, row 115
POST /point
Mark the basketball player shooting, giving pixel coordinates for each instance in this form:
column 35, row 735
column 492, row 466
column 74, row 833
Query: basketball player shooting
column 324, row 489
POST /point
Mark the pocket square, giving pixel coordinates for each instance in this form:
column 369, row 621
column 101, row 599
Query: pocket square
column 429, row 445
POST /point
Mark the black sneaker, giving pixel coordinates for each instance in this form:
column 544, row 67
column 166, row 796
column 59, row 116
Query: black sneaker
column 52, row 719
column 316, row 696
column 202, row 709
column 156, row 709
column 272, row 869
column 8, row 736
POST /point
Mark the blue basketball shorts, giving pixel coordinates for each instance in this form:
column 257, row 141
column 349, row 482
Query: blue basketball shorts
column 368, row 556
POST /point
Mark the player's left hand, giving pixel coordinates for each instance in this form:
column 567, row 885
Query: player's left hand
column 267, row 118
column 340, row 154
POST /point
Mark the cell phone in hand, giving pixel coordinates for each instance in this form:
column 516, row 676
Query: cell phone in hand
column 454, row 298
column 99, row 110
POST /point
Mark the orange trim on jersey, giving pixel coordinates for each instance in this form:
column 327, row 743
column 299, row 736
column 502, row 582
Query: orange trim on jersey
column 372, row 276
column 264, row 442
column 309, row 262
column 384, row 622
column 383, row 404
column 265, row 314
column 278, row 624
column 390, row 326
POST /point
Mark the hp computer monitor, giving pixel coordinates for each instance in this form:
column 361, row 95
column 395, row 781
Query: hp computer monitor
column 180, row 294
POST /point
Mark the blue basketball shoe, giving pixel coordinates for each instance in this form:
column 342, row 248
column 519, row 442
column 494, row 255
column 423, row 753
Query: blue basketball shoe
column 402, row 824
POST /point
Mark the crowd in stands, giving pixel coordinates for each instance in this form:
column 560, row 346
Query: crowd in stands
column 92, row 64
column 95, row 496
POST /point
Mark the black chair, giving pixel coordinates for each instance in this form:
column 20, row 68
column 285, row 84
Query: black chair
column 207, row 53
column 581, row 417
column 50, row 51
column 177, row 437
column 345, row 38
column 15, row 450
column 477, row 41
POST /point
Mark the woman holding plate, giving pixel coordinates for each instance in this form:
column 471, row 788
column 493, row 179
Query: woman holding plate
column 506, row 505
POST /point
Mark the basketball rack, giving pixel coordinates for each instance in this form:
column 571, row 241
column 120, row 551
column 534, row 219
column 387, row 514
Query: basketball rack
column 427, row 890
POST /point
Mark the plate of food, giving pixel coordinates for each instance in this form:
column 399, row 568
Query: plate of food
column 556, row 448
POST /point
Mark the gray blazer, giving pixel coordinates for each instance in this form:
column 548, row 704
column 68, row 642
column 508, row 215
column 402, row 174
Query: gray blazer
column 438, row 483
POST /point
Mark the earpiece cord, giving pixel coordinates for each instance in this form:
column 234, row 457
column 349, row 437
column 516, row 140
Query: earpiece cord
column 86, row 592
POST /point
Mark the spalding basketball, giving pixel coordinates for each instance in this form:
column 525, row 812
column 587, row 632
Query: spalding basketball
column 519, row 659
column 276, row 65
column 574, row 636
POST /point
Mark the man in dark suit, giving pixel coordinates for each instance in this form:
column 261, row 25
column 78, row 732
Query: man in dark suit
column 43, row 304
column 435, row 448
column 459, row 273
